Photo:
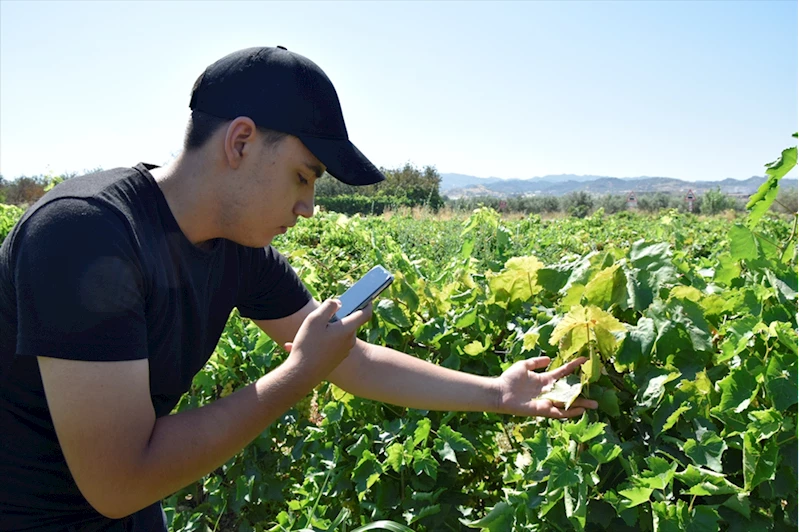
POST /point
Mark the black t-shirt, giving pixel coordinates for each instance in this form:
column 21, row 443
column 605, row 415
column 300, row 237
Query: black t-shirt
column 99, row 269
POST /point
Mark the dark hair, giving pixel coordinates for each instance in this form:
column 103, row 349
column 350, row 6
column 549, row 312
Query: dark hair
column 202, row 125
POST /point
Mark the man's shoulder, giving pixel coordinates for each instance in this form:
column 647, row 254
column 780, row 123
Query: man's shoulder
column 100, row 197
column 102, row 184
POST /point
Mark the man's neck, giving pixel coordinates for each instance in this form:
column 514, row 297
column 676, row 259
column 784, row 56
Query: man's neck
column 187, row 190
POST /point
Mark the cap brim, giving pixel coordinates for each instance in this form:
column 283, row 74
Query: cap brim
column 343, row 160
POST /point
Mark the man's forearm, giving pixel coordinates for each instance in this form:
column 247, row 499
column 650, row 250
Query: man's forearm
column 186, row 446
column 386, row 375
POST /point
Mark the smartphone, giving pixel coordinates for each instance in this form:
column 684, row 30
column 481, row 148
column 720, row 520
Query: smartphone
column 361, row 293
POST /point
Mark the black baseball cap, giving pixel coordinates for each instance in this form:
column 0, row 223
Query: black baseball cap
column 286, row 92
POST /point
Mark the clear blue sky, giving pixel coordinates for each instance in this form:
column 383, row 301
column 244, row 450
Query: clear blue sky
column 686, row 89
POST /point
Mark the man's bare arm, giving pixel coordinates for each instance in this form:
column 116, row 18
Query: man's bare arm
column 124, row 459
column 383, row 374
column 386, row 375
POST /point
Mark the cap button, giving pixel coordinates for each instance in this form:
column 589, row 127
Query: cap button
column 282, row 47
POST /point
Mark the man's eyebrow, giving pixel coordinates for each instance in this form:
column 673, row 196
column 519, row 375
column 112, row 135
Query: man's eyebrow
column 315, row 168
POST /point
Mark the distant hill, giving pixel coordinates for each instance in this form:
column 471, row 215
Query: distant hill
column 449, row 181
column 459, row 185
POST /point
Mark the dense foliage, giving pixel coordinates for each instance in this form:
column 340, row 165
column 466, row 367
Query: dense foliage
column 407, row 186
column 690, row 327
column 580, row 203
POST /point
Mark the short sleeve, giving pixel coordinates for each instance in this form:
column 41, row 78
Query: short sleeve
column 79, row 284
column 272, row 288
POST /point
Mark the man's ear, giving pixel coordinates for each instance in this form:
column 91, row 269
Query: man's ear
column 240, row 133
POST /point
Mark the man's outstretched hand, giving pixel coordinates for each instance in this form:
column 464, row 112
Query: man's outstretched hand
column 520, row 384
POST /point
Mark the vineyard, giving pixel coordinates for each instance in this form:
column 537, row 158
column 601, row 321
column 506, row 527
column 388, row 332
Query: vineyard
column 689, row 325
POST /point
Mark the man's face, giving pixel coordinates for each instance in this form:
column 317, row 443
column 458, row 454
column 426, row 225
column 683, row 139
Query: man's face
column 278, row 188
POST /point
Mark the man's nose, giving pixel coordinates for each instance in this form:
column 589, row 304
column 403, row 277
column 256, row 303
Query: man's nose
column 304, row 207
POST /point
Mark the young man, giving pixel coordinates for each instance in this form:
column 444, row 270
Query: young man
column 115, row 288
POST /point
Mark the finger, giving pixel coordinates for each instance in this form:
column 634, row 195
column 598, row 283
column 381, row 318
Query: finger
column 571, row 412
column 585, row 403
column 564, row 370
column 536, row 363
column 288, row 345
column 358, row 318
column 547, row 408
column 326, row 310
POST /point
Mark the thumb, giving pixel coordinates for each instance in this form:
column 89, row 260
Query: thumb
column 327, row 309
column 536, row 363
column 288, row 345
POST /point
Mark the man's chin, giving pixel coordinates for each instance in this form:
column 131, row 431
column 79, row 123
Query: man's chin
column 256, row 242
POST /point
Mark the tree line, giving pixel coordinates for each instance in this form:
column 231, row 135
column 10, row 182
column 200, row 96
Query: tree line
column 407, row 186
column 410, row 186
column 580, row 203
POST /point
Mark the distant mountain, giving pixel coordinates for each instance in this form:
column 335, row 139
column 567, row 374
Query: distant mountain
column 459, row 185
column 449, row 181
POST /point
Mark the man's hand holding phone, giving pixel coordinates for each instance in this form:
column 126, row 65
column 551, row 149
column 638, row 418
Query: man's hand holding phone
column 320, row 346
column 327, row 335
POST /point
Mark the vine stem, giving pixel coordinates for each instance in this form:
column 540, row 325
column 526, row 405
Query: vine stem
column 781, row 205
column 507, row 435
column 691, row 506
column 793, row 233
column 319, row 497
column 219, row 518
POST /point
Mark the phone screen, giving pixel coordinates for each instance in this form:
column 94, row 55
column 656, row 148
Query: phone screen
column 362, row 292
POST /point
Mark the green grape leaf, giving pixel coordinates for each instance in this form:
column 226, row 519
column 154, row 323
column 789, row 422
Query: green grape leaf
column 356, row 449
column 659, row 474
column 575, row 501
column 529, row 340
column 518, row 281
column 422, row 431
column 499, row 519
column 395, row 457
column 743, row 244
column 652, row 269
column 390, row 312
column 667, row 517
column 706, row 452
column 584, row 324
column 582, row 431
column 765, row 423
column 474, row 348
column 739, row 503
column 703, row 482
column 702, row 519
column 445, row 451
column 607, row 288
column 604, row 451
column 634, row 496
column 727, row 269
column 449, row 442
column 653, row 387
column 761, row 200
column 466, row 318
column 637, row 346
column 562, row 470
column 760, row 460
column 668, row 413
column 607, row 398
column 781, row 380
column 423, row 462
column 366, row 473
column 737, row 390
